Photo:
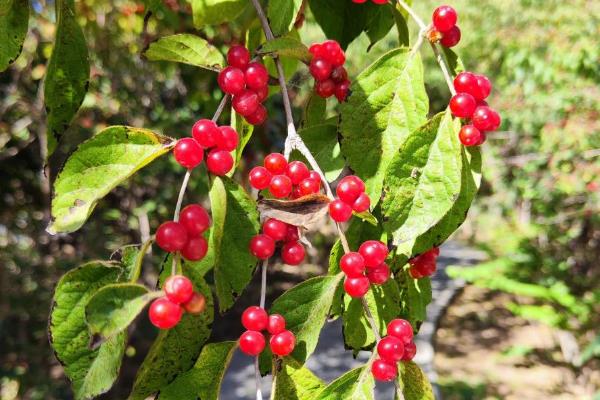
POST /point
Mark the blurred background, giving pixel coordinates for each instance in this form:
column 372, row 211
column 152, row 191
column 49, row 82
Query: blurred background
column 527, row 323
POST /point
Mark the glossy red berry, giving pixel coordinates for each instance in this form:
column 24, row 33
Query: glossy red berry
column 255, row 318
column 195, row 249
column 352, row 264
column 281, row 186
column 340, row 211
column 339, row 74
column 229, row 139
column 485, row 119
column 484, row 88
column 357, row 286
column 391, row 349
column 362, row 203
column 238, row 56
column 262, row 93
column 384, row 371
column 444, row 18
column 171, row 236
column 469, row 135
column 333, row 53
column 349, row 188
column 451, row 37
column 260, row 178
column 276, row 163
column 258, row 117
column 276, row 324
column 282, row 343
column 245, row 103
column 178, row 289
column 256, row 75
column 379, row 275
column 374, row 252
column 291, row 234
column 196, row 304
column 195, row 219
column 308, row 186
column 315, row 175
column 188, row 153
column 262, row 246
column 341, row 91
column 462, row 105
column 359, row 1
column 206, row 133
column 379, row 1
column 275, row 228
column 297, row 171
column 325, row 88
column 401, row 329
column 317, row 50
column 293, row 253
column 320, row 69
column 164, row 314
column 410, row 350
column 252, row 343
column 231, row 80
column 219, row 162
column 466, row 82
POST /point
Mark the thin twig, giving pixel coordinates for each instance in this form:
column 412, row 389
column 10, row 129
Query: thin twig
column 257, row 379
column 184, row 185
column 263, row 283
column 440, row 59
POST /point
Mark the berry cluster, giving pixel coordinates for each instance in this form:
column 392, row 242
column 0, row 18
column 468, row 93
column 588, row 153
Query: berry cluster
column 469, row 102
column 248, row 82
column 365, row 267
column 256, row 320
column 262, row 246
column 374, row 1
column 424, row 265
column 185, row 236
column 444, row 21
column 397, row 346
column 327, row 67
column 351, row 197
column 165, row 312
column 284, row 179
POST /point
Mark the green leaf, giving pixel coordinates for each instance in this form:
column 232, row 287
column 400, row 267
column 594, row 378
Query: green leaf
column 414, row 383
column 203, row 380
column 97, row 166
column 293, row 381
column 235, row 222
column 418, row 296
column 423, row 180
column 188, row 49
column 356, row 384
column 315, row 111
column 388, row 102
column 92, row 371
column 454, row 62
column 112, row 308
column 67, row 76
column 132, row 257
column 367, row 217
column 244, row 131
column 381, row 21
column 14, row 20
column 401, row 26
column 214, row 12
column 175, row 350
column 322, row 141
column 286, row 46
column 282, row 15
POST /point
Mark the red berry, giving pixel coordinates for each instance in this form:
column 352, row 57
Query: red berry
column 258, row 117
column 325, row 88
column 390, row 348
column 196, row 304
column 260, row 178
column 340, row 211
column 333, row 53
column 414, row 273
column 229, row 138
column 309, row 186
column 483, row 137
column 276, row 163
column 262, row 93
column 320, row 69
column 245, row 103
column 262, row 246
column 353, row 264
column 410, row 350
column 194, row 219
column 359, row 1
column 281, row 186
column 341, row 91
column 451, row 37
column 374, row 252
column 462, row 105
column 485, row 119
column 379, row 274
column 292, row 253
column 171, row 236
column 291, row 234
column 401, row 329
column 469, row 135
column 444, row 18
column 206, row 133
column 484, row 88
column 426, row 268
column 255, row 318
column 349, row 188
column 379, row 1
column 384, row 371
column 297, row 171
column 339, row 74
column 357, row 286
column 256, row 75
column 188, row 153
column 252, row 343
column 238, row 56
column 466, row 82
column 178, row 289
column 317, row 50
column 362, row 203
column 276, row 324
column 231, row 80
column 219, row 162
column 315, row 175
column 275, row 228
column 282, row 343
column 164, row 314
column 195, row 249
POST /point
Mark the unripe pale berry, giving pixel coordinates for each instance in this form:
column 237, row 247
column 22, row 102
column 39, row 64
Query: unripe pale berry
column 320, row 69
column 374, row 252
column 219, row 162
column 260, row 178
column 276, row 163
column 293, row 253
column 188, row 153
column 196, row 304
column 245, row 103
column 164, row 314
column 171, row 236
column 401, row 329
column 195, row 249
column 349, row 188
column 357, row 286
column 390, row 348
column 469, row 135
column 262, row 246
column 282, row 343
column 352, row 264
column 275, row 228
column 229, row 138
column 444, row 18
column 340, row 211
column 451, row 37
column 325, row 88
column 276, row 324
column 231, row 80
column 297, row 171
column 379, row 275
column 238, row 56
column 384, row 371
column 462, row 105
column 362, row 203
column 256, row 75
column 206, row 133
column 178, row 289
column 280, row 186
column 255, row 318
column 195, row 219
column 252, row 343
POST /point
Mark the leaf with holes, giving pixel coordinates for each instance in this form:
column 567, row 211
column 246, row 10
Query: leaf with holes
column 188, row 49
column 14, row 20
column 293, row 381
column 356, row 384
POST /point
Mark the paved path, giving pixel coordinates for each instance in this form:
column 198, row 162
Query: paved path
column 330, row 359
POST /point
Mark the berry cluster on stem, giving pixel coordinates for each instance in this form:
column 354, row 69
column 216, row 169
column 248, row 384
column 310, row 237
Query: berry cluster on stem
column 397, row 346
column 262, row 246
column 365, row 267
column 327, row 67
column 256, row 320
column 444, row 26
column 424, row 264
column 351, row 197
column 165, row 312
column 185, row 236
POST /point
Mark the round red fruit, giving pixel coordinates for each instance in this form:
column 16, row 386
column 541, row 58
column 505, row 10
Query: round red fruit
column 276, row 324
column 195, row 219
column 401, row 329
column 485, row 119
column 255, row 318
column 466, row 82
column 325, row 88
column 451, row 37
column 219, row 162
column 309, row 186
column 484, row 87
column 262, row 93
column 164, row 314
column 280, row 186
column 341, row 91
column 340, row 211
column 258, row 117
column 195, row 249
column 297, row 171
column 362, row 203
column 293, row 253
column 252, row 343
column 374, row 252
column 379, row 274
column 339, row 74
column 262, row 246
column 333, row 53
column 171, row 236
column 357, row 286
column 320, row 69
column 349, row 188
column 390, row 348
column 256, row 75
column 410, row 350
column 276, row 163
column 444, row 18
column 462, row 105
column 188, row 153
column 291, row 235
column 178, row 289
column 238, row 56
column 316, row 49
column 260, row 178
column 379, row 1
column 231, row 80
column 196, row 304
column 282, row 343
column 206, row 133
column 352, row 264
column 229, row 138
column 469, row 135
column 245, row 103
column 384, row 371
column 275, row 228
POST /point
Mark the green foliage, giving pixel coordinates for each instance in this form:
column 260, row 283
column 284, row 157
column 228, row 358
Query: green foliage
column 286, row 46
column 322, row 141
column 356, row 384
column 282, row 15
column 188, row 49
column 213, row 12
column 414, row 383
column 293, row 381
column 14, row 19
column 417, row 295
